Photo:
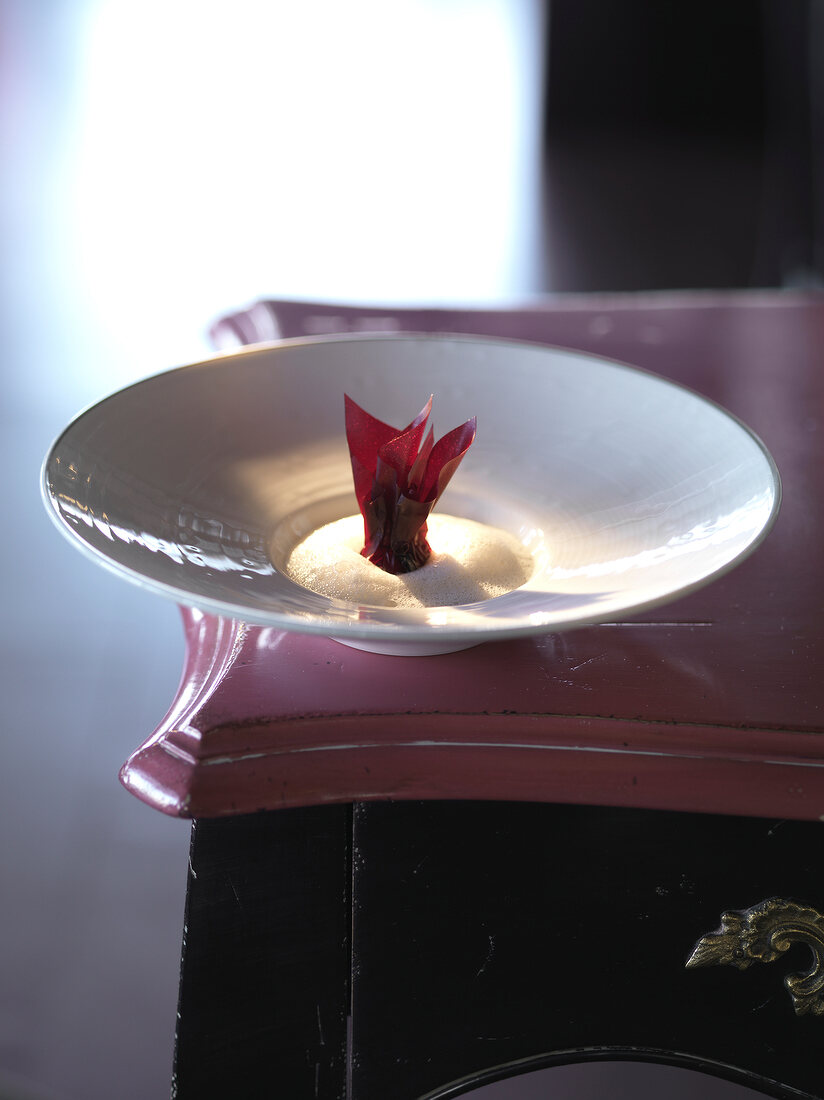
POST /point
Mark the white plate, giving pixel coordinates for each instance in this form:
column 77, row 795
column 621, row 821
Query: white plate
column 630, row 490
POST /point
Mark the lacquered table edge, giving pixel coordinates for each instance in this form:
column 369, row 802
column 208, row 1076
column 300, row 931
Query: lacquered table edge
column 212, row 742
column 209, row 760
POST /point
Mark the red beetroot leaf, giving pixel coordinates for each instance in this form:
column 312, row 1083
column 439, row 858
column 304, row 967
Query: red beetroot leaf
column 399, row 476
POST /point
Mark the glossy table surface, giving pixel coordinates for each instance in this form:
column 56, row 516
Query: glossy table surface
column 713, row 703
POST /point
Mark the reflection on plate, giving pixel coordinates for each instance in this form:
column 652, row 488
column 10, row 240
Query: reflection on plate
column 627, row 490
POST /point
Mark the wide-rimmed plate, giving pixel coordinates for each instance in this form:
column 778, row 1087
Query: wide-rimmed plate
column 628, row 490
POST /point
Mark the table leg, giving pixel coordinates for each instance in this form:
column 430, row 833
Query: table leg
column 264, row 994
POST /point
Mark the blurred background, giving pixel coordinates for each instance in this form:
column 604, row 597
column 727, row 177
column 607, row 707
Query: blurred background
column 163, row 163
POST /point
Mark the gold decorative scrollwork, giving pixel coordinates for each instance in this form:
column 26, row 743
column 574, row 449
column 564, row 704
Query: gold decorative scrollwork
column 761, row 934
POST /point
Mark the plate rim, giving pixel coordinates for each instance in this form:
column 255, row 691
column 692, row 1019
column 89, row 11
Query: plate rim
column 484, row 630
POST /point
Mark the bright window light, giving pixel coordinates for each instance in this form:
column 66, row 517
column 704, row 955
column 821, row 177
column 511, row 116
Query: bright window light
column 370, row 151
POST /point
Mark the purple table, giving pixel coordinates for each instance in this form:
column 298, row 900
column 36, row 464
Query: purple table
column 712, row 704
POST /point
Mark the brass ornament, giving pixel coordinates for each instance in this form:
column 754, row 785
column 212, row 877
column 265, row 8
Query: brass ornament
column 761, row 934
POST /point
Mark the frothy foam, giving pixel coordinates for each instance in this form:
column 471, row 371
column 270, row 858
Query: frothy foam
column 470, row 562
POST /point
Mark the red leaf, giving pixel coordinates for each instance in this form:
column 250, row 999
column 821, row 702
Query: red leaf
column 399, row 476
column 445, row 459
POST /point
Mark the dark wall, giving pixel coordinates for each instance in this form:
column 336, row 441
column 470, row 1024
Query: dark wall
column 683, row 144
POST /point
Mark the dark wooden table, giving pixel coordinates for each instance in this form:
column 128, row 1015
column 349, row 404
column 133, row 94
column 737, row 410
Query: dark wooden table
column 504, row 857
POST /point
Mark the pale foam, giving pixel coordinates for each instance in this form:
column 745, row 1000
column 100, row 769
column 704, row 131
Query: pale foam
column 470, row 562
